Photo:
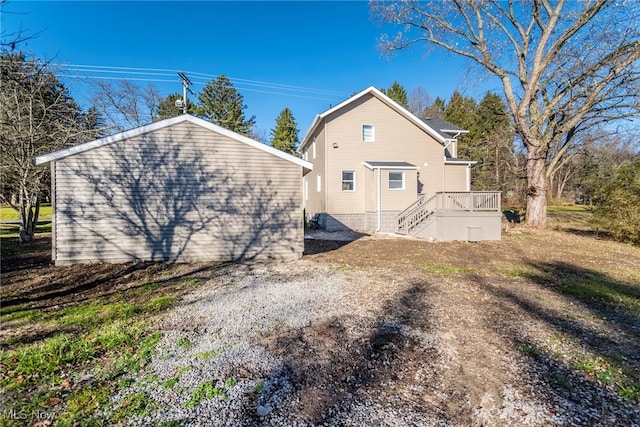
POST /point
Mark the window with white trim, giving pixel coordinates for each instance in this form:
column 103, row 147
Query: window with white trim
column 313, row 145
column 348, row 181
column 396, row 180
column 368, row 133
column 319, row 183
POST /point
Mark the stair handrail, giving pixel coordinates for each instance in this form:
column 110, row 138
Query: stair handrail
column 416, row 213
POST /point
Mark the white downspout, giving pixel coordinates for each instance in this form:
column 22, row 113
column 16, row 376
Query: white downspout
column 379, row 204
column 444, row 164
column 469, row 177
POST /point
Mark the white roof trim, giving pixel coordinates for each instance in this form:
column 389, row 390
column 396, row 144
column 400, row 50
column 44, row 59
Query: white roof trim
column 57, row 155
column 454, row 131
column 384, row 98
column 370, row 166
column 460, row 162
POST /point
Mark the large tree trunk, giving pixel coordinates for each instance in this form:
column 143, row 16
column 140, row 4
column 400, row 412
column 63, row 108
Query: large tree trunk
column 29, row 219
column 536, row 190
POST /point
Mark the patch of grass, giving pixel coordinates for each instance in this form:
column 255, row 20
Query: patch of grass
column 205, row 391
column 559, row 380
column 444, row 269
column 572, row 217
column 529, row 350
column 344, row 267
column 170, row 383
column 90, row 315
column 626, row 382
column 20, row 312
column 205, row 355
column 605, row 292
column 568, row 208
column 82, row 403
column 258, row 387
column 185, row 343
column 135, row 404
column 44, row 361
column 7, row 213
column 231, row 382
column 189, row 280
column 630, row 392
column 184, row 369
column 516, row 272
column 107, row 338
column 161, row 303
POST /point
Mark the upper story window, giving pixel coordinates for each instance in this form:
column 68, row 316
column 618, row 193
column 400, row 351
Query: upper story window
column 348, row 181
column 396, row 180
column 368, row 133
column 313, row 148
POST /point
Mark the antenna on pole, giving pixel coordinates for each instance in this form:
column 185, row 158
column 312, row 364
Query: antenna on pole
column 185, row 87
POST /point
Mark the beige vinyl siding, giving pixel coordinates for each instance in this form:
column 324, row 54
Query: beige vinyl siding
column 182, row 193
column 396, row 139
column 317, row 199
column 371, row 190
column 456, row 177
column 397, row 200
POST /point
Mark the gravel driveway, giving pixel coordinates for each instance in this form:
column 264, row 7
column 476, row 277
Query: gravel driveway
column 306, row 343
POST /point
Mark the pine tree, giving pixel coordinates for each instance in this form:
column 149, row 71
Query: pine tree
column 284, row 136
column 436, row 110
column 221, row 104
column 492, row 145
column 167, row 107
column 397, row 93
column 460, row 111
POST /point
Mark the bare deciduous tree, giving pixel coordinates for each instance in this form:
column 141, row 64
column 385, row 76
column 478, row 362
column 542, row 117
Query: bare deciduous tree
column 37, row 116
column 124, row 105
column 563, row 65
column 419, row 100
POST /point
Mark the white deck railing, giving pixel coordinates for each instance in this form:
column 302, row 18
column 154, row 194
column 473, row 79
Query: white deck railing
column 468, row 201
column 447, row 201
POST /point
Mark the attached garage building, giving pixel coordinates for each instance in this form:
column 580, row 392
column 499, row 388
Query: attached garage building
column 181, row 189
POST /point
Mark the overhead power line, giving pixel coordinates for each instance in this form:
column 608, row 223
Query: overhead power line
column 105, row 72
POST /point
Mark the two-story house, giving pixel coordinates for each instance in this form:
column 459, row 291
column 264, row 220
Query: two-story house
column 378, row 167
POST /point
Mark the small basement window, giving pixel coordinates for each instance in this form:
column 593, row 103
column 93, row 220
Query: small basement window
column 348, row 181
column 368, row 133
column 396, row 180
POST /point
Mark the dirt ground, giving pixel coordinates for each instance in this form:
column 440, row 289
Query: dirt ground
column 509, row 321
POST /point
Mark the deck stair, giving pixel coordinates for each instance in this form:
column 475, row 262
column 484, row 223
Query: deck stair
column 424, row 211
column 416, row 214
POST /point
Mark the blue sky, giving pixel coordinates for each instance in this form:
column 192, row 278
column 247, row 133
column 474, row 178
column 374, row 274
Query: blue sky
column 325, row 50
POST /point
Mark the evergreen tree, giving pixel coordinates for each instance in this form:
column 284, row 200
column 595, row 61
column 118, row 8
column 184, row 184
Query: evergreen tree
column 93, row 123
column 284, row 136
column 397, row 93
column 492, row 145
column 436, row 110
column 167, row 108
column 460, row 111
column 221, row 104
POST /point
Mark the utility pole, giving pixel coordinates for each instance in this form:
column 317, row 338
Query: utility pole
column 185, row 87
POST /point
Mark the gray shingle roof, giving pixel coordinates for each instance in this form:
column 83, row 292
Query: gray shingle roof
column 444, row 128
